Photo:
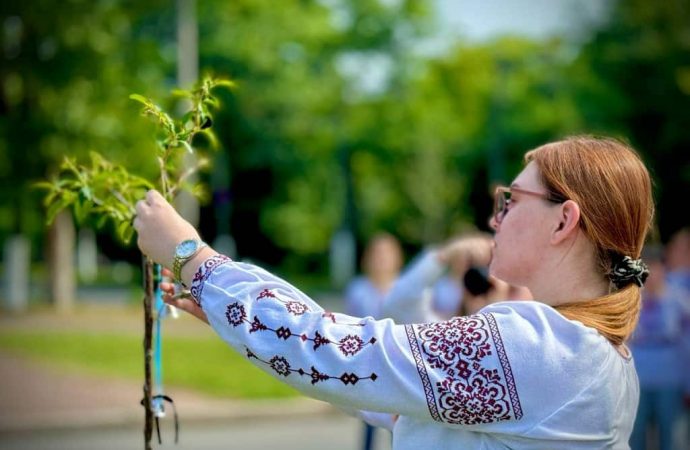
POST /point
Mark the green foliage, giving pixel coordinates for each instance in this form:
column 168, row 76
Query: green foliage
column 104, row 189
column 176, row 135
column 108, row 191
column 313, row 146
column 302, row 104
column 68, row 69
column 642, row 63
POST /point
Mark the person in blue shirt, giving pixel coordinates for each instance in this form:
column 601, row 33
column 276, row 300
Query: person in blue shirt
column 678, row 275
column 657, row 348
column 365, row 294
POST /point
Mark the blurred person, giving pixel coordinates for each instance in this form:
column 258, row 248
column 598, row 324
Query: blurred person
column 678, row 259
column 545, row 374
column 364, row 295
column 678, row 276
column 381, row 263
column 447, row 292
column 411, row 299
column 656, row 346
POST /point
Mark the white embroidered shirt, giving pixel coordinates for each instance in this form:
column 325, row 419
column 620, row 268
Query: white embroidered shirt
column 517, row 375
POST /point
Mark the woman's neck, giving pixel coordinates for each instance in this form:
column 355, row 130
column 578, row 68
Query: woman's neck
column 569, row 280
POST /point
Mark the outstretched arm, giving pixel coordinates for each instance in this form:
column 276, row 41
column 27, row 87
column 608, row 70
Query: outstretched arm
column 427, row 372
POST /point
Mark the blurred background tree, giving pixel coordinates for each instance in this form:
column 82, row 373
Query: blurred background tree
column 343, row 118
column 643, row 60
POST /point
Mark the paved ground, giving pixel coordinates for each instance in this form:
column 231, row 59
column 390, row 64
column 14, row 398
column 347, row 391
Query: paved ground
column 45, row 408
column 308, row 433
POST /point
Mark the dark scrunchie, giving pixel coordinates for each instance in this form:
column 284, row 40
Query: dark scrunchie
column 626, row 270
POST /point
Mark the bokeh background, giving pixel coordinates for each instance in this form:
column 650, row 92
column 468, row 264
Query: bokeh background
column 349, row 117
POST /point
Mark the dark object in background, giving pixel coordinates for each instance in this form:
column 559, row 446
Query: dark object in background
column 476, row 280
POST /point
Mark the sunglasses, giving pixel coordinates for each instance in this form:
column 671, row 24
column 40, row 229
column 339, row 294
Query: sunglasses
column 503, row 198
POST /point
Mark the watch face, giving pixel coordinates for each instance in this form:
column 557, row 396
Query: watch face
column 186, row 248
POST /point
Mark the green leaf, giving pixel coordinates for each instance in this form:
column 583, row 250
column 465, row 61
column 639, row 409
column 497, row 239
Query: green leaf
column 213, row 140
column 101, row 220
column 43, row 185
column 53, row 211
column 224, row 83
column 125, row 232
column 212, row 101
column 188, row 147
column 86, row 192
column 181, row 93
column 141, row 99
column 79, row 212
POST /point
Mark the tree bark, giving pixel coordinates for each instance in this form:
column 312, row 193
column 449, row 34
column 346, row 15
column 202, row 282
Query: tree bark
column 148, row 335
column 61, row 260
column 17, row 264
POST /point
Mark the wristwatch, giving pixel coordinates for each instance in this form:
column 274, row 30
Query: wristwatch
column 185, row 251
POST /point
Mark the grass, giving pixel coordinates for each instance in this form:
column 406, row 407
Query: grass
column 205, row 364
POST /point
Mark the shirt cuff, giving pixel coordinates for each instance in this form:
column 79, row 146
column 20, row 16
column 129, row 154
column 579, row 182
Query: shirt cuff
column 203, row 273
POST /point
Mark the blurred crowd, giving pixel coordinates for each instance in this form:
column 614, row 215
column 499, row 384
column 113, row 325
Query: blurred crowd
column 453, row 279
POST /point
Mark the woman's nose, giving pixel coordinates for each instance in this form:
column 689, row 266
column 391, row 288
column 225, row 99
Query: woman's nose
column 493, row 223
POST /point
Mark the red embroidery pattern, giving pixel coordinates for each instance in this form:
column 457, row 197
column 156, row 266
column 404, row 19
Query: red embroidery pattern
column 349, row 345
column 297, row 308
column 202, row 274
column 281, row 366
column 330, row 315
column 472, row 388
column 293, row 307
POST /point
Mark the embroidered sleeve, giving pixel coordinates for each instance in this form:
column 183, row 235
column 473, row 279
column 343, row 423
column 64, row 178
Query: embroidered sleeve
column 465, row 371
column 454, row 372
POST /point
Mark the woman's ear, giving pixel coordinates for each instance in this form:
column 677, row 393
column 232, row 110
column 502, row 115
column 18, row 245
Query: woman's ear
column 569, row 222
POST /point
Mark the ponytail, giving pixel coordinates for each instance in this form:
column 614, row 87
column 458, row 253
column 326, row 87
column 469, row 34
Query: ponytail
column 614, row 315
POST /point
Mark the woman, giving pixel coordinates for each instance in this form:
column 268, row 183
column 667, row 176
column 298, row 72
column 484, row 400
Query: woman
column 411, row 298
column 381, row 263
column 545, row 374
column 365, row 294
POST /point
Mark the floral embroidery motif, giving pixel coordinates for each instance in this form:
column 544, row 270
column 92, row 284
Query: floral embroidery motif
column 282, row 367
column 265, row 294
column 292, row 306
column 235, row 314
column 202, row 274
column 350, row 344
column 475, row 386
column 296, row 308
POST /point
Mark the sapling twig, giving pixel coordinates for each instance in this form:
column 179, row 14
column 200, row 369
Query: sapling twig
column 107, row 191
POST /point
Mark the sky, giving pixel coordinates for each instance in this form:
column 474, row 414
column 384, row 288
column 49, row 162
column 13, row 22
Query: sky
column 475, row 21
column 480, row 20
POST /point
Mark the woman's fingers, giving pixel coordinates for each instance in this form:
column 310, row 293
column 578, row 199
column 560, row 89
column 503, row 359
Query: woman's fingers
column 153, row 197
column 168, row 288
column 181, row 300
column 186, row 303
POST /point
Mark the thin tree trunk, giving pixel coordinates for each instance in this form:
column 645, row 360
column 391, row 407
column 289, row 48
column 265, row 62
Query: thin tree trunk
column 62, row 274
column 148, row 335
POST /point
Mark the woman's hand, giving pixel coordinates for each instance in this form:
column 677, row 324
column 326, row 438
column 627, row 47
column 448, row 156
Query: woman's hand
column 160, row 228
column 183, row 300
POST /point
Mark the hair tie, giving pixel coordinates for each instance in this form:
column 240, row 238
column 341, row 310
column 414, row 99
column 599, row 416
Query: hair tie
column 627, row 270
